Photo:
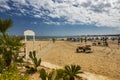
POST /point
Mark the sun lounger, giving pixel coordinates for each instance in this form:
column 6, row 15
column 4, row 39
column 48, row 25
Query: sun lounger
column 85, row 49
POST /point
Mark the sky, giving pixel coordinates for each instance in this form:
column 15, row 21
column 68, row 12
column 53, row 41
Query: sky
column 62, row 17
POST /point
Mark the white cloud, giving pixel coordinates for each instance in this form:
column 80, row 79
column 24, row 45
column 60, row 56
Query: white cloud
column 19, row 1
column 37, row 16
column 51, row 22
column 98, row 12
column 4, row 5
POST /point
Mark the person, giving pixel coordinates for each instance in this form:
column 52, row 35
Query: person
column 105, row 43
column 81, row 40
column 119, row 41
column 94, row 43
column 53, row 40
column 85, row 39
column 99, row 43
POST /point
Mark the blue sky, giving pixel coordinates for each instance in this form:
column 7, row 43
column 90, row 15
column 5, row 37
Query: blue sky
column 62, row 17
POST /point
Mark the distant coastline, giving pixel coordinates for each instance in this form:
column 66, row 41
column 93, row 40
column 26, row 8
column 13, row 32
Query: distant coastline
column 76, row 36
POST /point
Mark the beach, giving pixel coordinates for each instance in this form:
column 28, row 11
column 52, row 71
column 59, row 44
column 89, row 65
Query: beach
column 102, row 60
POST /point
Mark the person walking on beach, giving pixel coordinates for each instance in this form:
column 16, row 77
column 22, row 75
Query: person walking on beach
column 81, row 40
column 105, row 43
column 99, row 43
column 53, row 40
column 119, row 41
column 85, row 40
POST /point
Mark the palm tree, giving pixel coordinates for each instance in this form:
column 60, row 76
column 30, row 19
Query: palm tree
column 14, row 44
column 72, row 71
column 5, row 25
column 9, row 45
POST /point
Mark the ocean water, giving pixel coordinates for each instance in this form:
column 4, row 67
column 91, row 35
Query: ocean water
column 51, row 37
column 65, row 37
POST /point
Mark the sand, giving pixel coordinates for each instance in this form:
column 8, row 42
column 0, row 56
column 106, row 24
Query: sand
column 102, row 61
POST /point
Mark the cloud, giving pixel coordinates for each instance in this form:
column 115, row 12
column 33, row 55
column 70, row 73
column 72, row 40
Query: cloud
column 53, row 23
column 4, row 5
column 98, row 12
column 19, row 1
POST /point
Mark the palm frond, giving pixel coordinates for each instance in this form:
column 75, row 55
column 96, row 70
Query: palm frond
column 5, row 25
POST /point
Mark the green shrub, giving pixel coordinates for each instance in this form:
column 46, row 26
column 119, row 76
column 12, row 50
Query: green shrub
column 48, row 76
column 72, row 71
column 43, row 74
column 55, row 74
column 35, row 61
column 2, row 65
column 68, row 73
column 30, row 70
column 60, row 74
column 13, row 74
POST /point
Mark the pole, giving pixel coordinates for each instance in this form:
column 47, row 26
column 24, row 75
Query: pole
column 26, row 47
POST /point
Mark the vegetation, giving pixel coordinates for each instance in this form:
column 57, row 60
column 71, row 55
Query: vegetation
column 72, row 71
column 35, row 61
column 68, row 73
column 5, row 25
column 9, row 52
column 2, row 65
column 9, row 45
column 13, row 74
column 53, row 75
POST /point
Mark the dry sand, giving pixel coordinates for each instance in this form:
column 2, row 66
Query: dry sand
column 103, row 60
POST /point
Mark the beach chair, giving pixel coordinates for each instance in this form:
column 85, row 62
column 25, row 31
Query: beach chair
column 80, row 49
column 85, row 49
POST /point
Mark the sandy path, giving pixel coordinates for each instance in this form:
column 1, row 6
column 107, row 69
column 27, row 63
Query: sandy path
column 103, row 60
column 44, row 51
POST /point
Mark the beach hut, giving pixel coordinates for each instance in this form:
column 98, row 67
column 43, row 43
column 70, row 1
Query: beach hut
column 29, row 33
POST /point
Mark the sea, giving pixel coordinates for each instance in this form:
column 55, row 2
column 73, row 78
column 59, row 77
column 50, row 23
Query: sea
column 65, row 37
